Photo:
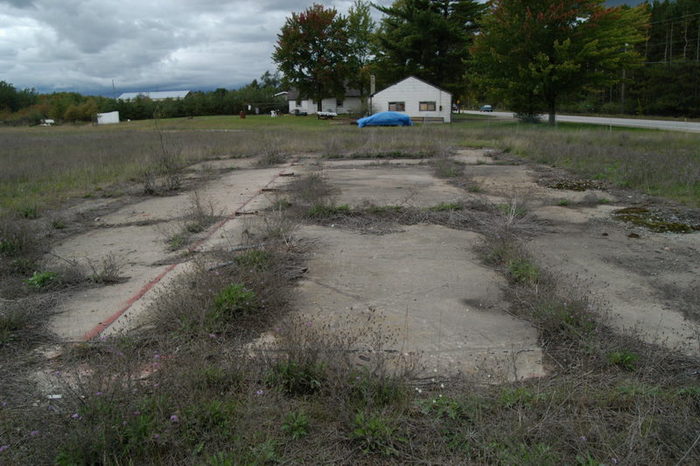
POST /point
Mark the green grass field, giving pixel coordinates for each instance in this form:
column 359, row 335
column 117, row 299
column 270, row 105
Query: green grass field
column 42, row 167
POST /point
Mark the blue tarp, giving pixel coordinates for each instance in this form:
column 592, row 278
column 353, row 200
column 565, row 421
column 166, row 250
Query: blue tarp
column 385, row 119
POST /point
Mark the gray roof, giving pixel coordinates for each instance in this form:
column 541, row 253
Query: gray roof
column 156, row 95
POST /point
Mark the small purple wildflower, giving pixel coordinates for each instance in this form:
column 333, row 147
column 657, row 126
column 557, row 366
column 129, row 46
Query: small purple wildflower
column 174, row 418
column 156, row 356
column 212, row 335
column 75, row 416
column 614, row 460
column 309, row 324
column 137, row 413
column 3, row 448
column 156, row 436
column 34, row 433
column 98, row 393
column 260, row 392
column 582, row 438
column 4, row 403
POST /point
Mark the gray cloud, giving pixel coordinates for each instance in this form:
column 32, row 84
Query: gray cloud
column 140, row 44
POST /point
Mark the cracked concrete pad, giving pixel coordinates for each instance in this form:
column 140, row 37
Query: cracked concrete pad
column 579, row 215
column 436, row 297
column 474, row 156
column 368, row 163
column 226, row 194
column 85, row 309
column 141, row 249
column 620, row 272
column 413, row 186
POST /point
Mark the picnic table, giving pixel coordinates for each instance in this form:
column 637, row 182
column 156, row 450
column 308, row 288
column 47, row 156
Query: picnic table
column 326, row 115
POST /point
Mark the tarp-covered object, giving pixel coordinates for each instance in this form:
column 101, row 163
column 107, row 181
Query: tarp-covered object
column 385, row 119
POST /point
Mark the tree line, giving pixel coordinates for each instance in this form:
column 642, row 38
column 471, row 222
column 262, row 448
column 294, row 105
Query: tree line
column 21, row 107
column 532, row 56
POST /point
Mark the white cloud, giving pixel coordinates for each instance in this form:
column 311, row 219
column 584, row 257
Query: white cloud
column 141, row 44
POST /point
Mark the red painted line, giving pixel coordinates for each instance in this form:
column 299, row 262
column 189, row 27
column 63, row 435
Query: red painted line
column 102, row 326
column 99, row 328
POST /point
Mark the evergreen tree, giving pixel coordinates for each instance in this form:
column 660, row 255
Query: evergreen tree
column 537, row 52
column 429, row 39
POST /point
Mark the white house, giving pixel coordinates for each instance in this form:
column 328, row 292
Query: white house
column 107, row 118
column 350, row 103
column 155, row 96
column 420, row 100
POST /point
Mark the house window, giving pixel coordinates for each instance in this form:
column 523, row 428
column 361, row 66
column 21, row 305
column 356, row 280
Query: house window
column 338, row 102
column 397, row 106
column 298, row 103
column 426, row 106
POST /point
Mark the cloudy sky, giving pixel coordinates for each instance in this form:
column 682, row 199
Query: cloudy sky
column 82, row 45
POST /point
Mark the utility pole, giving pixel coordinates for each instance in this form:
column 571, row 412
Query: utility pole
column 372, row 88
column 622, row 88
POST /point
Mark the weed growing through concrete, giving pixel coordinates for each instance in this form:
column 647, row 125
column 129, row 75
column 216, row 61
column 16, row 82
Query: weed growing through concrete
column 105, row 271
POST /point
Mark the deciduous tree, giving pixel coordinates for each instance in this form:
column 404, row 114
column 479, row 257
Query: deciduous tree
column 312, row 52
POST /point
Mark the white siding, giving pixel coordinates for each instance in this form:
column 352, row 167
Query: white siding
column 350, row 105
column 412, row 91
column 107, row 118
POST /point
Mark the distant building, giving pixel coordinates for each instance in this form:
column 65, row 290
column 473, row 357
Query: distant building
column 418, row 99
column 350, row 103
column 108, row 118
column 156, row 95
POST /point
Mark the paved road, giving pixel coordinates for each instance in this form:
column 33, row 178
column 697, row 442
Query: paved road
column 690, row 127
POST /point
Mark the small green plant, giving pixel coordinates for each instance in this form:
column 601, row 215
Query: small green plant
column 623, row 359
column 257, row 259
column 446, row 168
column 521, row 270
column 220, row 459
column 194, row 227
column 374, row 434
column 263, row 453
column 58, row 224
column 177, row 241
column 442, row 407
column 217, row 378
column 474, row 188
column 297, row 379
column 233, row 300
column 563, row 203
column 446, row 207
column 296, row 424
column 11, row 322
column 29, row 211
column 513, row 210
column 371, row 390
column 539, row 454
column 325, row 210
column 42, row 279
column 519, row 396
